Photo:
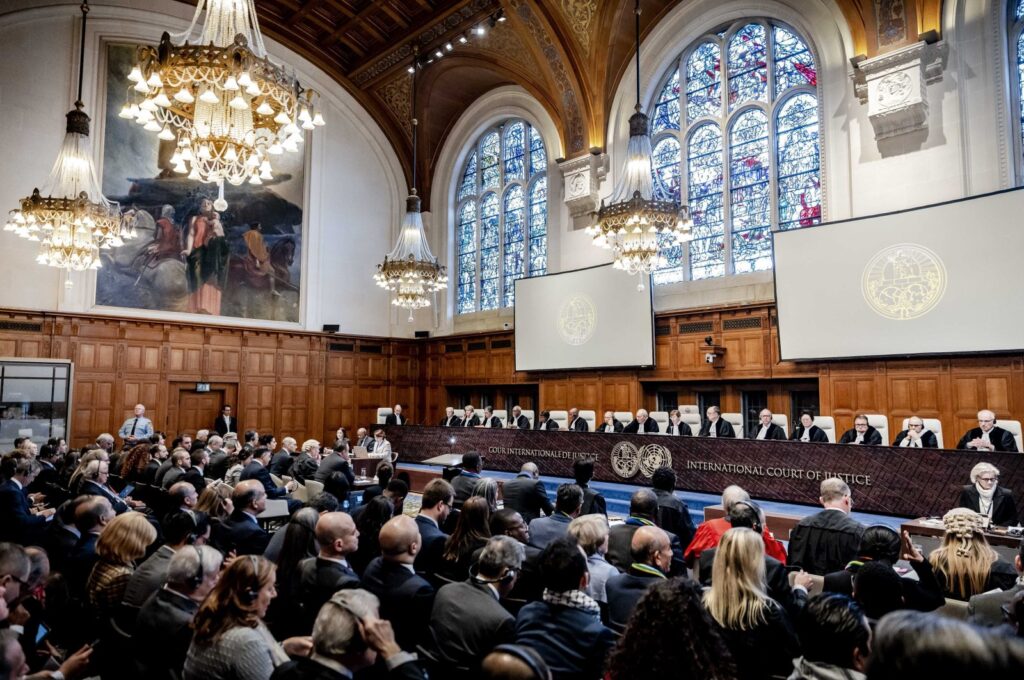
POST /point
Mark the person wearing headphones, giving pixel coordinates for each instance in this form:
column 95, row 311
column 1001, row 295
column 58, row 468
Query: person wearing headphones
column 987, row 436
column 231, row 642
column 349, row 636
column 163, row 629
column 477, row 600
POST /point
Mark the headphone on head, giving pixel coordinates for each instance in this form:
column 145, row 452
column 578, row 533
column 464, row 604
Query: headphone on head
column 250, row 595
column 197, row 578
column 510, row 573
column 753, row 506
column 532, row 659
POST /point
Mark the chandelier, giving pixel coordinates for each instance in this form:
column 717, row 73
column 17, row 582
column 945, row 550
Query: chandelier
column 229, row 108
column 70, row 217
column 633, row 225
column 410, row 270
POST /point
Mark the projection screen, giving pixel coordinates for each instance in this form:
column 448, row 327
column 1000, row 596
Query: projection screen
column 941, row 279
column 588, row 318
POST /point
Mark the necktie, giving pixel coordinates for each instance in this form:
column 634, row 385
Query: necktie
column 135, row 423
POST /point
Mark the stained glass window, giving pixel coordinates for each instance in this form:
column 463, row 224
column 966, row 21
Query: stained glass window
column 501, row 227
column 1019, row 14
column 748, row 167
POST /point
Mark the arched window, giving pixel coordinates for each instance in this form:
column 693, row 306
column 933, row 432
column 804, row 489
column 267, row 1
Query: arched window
column 1016, row 33
column 735, row 130
column 503, row 189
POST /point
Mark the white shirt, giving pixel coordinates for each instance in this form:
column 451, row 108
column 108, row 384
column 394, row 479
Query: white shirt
column 465, row 421
column 763, row 432
column 859, row 439
column 712, row 432
column 381, row 449
column 640, row 430
column 984, row 437
column 607, row 428
column 912, row 443
column 806, row 436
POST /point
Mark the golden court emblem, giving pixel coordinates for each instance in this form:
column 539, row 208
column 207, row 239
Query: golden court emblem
column 904, row 281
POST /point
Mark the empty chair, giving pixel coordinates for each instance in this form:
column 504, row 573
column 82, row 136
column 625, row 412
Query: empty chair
column 624, row 417
column 661, row 418
column 501, row 414
column 562, row 418
column 529, row 416
column 1013, row 427
column 591, row 418
column 828, row 424
column 313, row 487
column 782, row 420
column 933, row 424
column 691, row 418
column 689, row 408
column 880, row 423
column 383, row 413
column 736, row 420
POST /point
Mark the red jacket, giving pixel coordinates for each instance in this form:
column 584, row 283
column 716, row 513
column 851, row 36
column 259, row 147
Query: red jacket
column 710, row 533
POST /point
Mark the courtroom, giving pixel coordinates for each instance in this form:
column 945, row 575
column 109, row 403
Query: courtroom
column 511, row 339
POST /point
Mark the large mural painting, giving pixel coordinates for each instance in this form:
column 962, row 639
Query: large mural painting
column 241, row 262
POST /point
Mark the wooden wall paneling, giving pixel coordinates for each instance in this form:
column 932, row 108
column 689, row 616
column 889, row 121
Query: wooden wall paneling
column 856, row 388
column 340, row 407
column 92, row 408
column 257, row 405
column 983, row 383
column 290, row 410
column 918, row 388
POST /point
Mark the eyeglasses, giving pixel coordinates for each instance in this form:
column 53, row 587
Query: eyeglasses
column 988, row 479
column 986, row 420
column 916, row 424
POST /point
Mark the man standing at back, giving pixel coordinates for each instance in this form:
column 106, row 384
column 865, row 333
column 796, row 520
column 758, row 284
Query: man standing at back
column 526, row 494
column 827, row 541
column 136, row 428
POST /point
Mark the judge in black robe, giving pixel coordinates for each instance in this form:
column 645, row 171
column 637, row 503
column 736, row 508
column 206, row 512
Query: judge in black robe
column 814, row 433
column 715, row 420
column 642, row 422
column 871, row 436
column 927, row 439
column 609, row 421
column 545, row 422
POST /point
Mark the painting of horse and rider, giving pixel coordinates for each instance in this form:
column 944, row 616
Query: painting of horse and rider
column 188, row 257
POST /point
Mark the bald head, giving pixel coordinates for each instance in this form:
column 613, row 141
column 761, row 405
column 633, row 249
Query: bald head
column 648, row 544
column 400, row 539
column 501, row 665
column 336, row 533
column 530, row 469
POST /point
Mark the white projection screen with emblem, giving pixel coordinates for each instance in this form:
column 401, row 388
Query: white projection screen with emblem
column 941, row 279
column 587, row 318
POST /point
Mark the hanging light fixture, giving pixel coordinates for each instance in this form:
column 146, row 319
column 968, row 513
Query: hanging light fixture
column 630, row 225
column 228, row 106
column 410, row 270
column 70, row 217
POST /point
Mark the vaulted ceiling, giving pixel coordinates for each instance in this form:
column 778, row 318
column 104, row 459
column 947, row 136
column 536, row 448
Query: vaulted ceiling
column 568, row 53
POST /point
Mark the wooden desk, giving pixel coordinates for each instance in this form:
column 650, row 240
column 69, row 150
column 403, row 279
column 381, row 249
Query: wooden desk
column 444, row 460
column 780, row 525
column 922, row 527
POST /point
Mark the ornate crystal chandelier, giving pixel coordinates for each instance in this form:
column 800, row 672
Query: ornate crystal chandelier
column 410, row 270
column 631, row 224
column 70, row 217
column 228, row 106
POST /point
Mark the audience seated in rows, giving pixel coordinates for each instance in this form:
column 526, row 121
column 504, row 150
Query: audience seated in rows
column 709, row 533
column 643, row 511
column 544, row 530
column 965, row 565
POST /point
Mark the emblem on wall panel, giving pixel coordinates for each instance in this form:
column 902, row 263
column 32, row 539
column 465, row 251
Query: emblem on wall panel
column 625, row 460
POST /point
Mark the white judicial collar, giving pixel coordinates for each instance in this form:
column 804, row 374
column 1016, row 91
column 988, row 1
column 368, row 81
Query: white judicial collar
column 763, row 432
column 712, row 430
column 806, row 436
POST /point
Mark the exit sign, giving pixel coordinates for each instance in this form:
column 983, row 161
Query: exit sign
column 202, row 387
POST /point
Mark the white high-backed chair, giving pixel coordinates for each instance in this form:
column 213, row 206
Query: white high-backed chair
column 827, row 423
column 502, row 415
column 689, row 408
column 529, row 416
column 782, row 420
column 661, row 418
column 933, row 424
column 383, row 413
column 591, row 418
column 691, row 418
column 1014, row 428
column 562, row 418
column 624, row 417
column 880, row 423
column 736, row 420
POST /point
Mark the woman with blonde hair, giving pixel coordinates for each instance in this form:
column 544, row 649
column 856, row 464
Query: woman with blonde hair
column 121, row 544
column 965, row 565
column 231, row 641
column 985, row 497
column 215, row 501
column 76, row 477
column 591, row 532
column 755, row 627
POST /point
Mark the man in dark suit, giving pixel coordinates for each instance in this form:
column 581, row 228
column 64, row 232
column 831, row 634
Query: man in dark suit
column 257, row 470
column 827, row 541
column 62, row 534
column 862, row 433
column 577, row 424
column 651, row 559
column 469, row 418
column 593, row 502
column 218, row 465
column 450, row 419
column 518, row 420
column 163, row 628
column 916, row 436
column 46, row 482
column 766, row 429
column 20, row 524
column 643, row 511
column 318, row 578
column 987, row 609
column 435, row 506
column 986, row 497
column 477, row 602
column 307, row 463
column 405, row 598
column 395, row 417
column 610, row 425
column 348, row 636
column 526, row 494
column 241, row 531
column 489, row 419
column 226, row 422
column 508, row 522
column 565, row 628
column 673, row 514
column 716, row 425
column 544, row 422
column 336, row 461
column 179, row 529
column 194, row 475
column 544, row 530
column 987, row 436
column 472, row 464
column 642, row 424
column 792, row 598
column 91, row 518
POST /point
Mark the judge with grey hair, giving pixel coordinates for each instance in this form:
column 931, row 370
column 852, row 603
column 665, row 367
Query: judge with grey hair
column 348, row 635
